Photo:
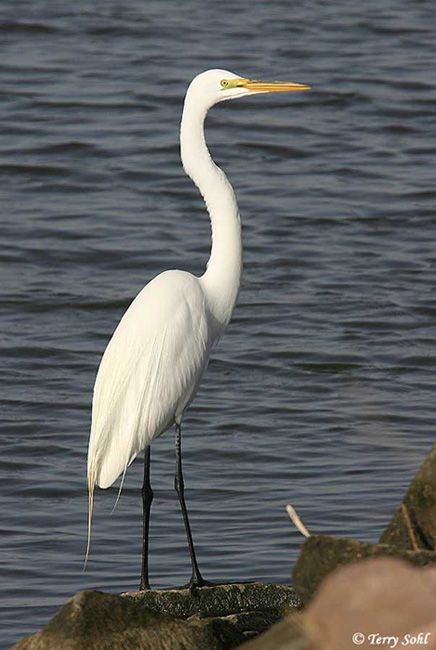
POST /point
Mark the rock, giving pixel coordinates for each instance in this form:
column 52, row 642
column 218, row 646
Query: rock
column 410, row 536
column 219, row 617
column 218, row 600
column 366, row 601
column 413, row 526
column 382, row 597
column 321, row 554
column 288, row 634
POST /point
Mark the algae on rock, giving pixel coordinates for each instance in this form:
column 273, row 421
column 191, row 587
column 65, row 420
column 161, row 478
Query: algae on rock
column 219, row 617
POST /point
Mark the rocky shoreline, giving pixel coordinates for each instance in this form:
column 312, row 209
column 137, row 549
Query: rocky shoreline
column 341, row 588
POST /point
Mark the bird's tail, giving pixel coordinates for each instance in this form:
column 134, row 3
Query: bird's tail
column 91, row 487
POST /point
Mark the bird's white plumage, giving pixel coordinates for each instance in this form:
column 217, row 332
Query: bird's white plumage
column 149, row 371
column 154, row 361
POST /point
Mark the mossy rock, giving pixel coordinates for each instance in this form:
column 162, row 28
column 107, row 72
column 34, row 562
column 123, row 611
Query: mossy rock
column 218, row 600
column 220, row 617
column 322, row 554
column 413, row 525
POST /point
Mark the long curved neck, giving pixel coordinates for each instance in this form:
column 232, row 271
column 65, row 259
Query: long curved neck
column 222, row 277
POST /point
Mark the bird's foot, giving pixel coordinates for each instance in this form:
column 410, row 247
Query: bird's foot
column 144, row 585
column 195, row 583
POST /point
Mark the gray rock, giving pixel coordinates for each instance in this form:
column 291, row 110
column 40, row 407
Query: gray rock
column 219, row 617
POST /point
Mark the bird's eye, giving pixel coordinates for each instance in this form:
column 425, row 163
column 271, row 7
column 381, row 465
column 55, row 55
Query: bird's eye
column 224, row 83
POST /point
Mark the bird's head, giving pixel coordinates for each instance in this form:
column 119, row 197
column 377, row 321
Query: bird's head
column 213, row 86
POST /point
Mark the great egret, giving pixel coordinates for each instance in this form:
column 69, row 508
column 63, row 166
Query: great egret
column 154, row 362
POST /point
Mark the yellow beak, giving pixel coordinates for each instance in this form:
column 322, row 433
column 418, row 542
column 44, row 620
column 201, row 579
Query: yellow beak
column 272, row 86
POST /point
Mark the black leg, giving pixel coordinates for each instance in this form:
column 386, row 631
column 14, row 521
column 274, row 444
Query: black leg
column 196, row 577
column 147, row 498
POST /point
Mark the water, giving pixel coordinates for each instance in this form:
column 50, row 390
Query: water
column 322, row 392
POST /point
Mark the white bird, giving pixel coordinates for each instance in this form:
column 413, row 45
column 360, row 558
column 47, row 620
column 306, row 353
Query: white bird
column 154, row 362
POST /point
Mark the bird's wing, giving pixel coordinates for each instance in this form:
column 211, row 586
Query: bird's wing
column 149, row 372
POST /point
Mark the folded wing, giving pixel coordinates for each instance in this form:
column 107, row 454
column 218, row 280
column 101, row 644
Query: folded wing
column 149, row 372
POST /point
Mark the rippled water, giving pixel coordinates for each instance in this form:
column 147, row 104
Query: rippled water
column 322, row 392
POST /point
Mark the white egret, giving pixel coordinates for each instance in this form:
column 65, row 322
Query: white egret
column 154, row 362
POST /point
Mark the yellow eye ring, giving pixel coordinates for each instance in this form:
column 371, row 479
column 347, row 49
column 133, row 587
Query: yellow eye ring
column 224, row 83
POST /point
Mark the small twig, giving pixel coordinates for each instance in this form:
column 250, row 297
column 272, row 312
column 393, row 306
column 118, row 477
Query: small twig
column 408, row 523
column 297, row 521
